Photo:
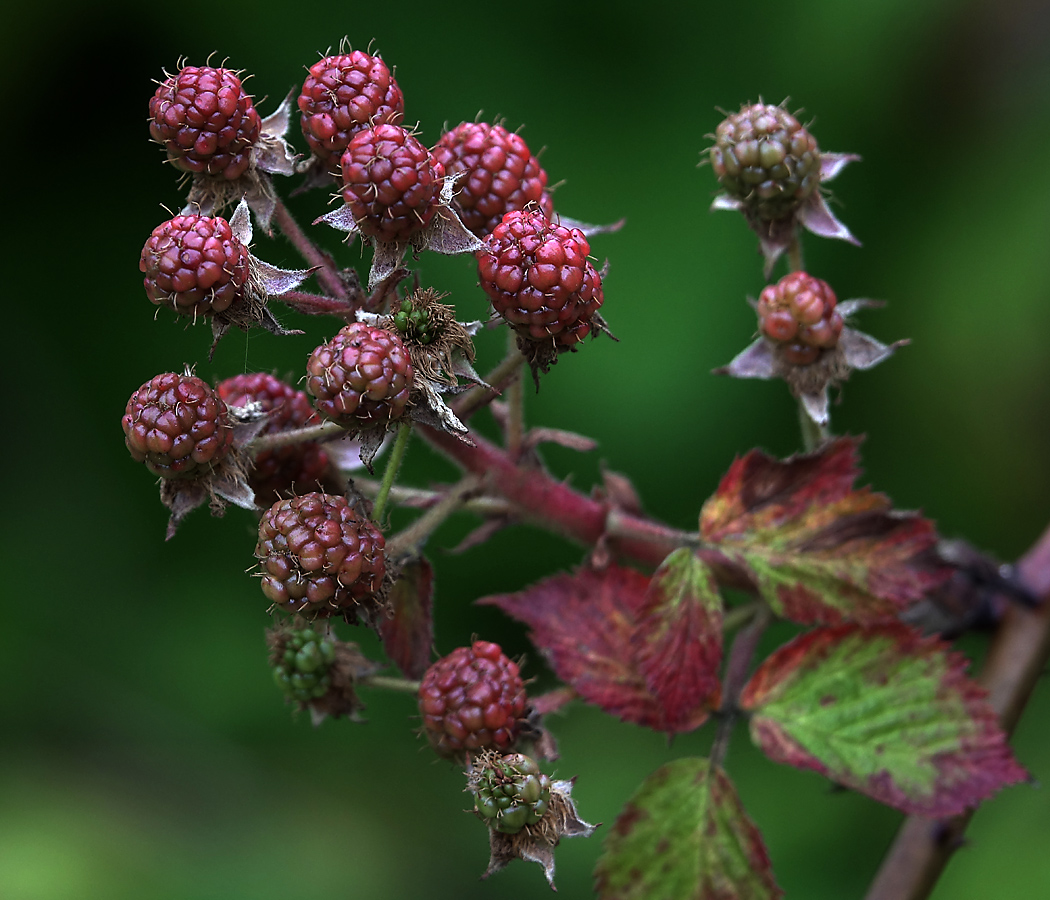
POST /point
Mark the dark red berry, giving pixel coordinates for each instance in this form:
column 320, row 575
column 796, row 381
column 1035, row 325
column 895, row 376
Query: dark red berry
column 278, row 473
column 765, row 157
column 194, row 265
column 472, row 699
column 798, row 312
column 538, row 276
column 363, row 375
column 344, row 94
column 177, row 425
column 499, row 174
column 205, row 121
column 318, row 555
column 391, row 183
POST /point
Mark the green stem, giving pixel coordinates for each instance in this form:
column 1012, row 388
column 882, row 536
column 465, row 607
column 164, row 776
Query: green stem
column 794, row 253
column 813, row 435
column 404, row 432
column 410, row 541
column 389, row 683
column 515, row 405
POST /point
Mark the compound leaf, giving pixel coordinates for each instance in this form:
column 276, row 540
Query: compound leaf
column 585, row 624
column 685, row 836
column 818, row 549
column 884, row 711
column 679, row 637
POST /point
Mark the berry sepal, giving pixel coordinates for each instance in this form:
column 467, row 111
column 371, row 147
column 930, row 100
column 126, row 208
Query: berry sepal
column 444, row 233
column 810, row 356
column 527, row 813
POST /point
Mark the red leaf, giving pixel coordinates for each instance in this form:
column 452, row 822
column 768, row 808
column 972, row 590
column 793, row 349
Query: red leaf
column 679, row 639
column 818, row 549
column 586, row 625
column 884, row 711
column 409, row 636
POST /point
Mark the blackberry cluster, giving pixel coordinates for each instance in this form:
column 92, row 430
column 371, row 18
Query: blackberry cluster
column 798, row 313
column 510, row 792
column 206, row 121
column 301, row 670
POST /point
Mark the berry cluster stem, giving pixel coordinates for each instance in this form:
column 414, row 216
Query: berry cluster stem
column 813, row 435
column 389, row 683
column 515, row 405
column 327, row 276
column 410, row 541
column 499, row 378
column 323, row 432
column 397, row 454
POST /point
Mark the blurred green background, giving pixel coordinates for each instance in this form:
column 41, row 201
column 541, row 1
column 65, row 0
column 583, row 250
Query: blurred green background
column 144, row 751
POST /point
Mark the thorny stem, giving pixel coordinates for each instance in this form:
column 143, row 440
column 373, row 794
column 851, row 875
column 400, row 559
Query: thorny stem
column 315, row 304
column 393, row 464
column 515, row 404
column 409, row 541
column 559, row 508
column 470, row 402
column 323, row 432
column 327, row 277
column 738, row 666
column 389, row 683
column 1016, row 660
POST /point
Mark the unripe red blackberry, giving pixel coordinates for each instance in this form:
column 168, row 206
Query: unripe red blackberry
column 279, row 472
column 499, row 174
column 764, row 157
column 205, row 121
column 318, row 555
column 510, row 792
column 344, row 94
column 472, row 699
column 361, row 376
column 798, row 312
column 391, row 183
column 177, row 425
column 537, row 275
column 194, row 265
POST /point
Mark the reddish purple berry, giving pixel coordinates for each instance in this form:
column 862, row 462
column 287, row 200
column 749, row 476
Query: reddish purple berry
column 205, row 121
column 538, row 276
column 765, row 157
column 280, row 472
column 362, row 376
column 345, row 94
column 318, row 555
column 472, row 699
column 177, row 425
column 499, row 174
column 194, row 265
column 798, row 312
column 391, row 183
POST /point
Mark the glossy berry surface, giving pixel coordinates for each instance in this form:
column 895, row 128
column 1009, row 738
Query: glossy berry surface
column 206, row 121
column 798, row 312
column 177, row 425
column 510, row 792
column 765, row 157
column 472, row 699
column 194, row 265
column 279, row 472
column 318, row 555
column 537, row 275
column 498, row 174
column 363, row 375
column 391, row 183
column 344, row 94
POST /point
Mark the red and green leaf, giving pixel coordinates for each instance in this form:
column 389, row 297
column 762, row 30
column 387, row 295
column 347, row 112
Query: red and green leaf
column 685, row 836
column 679, row 636
column 408, row 636
column 818, row 549
column 884, row 711
column 586, row 625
